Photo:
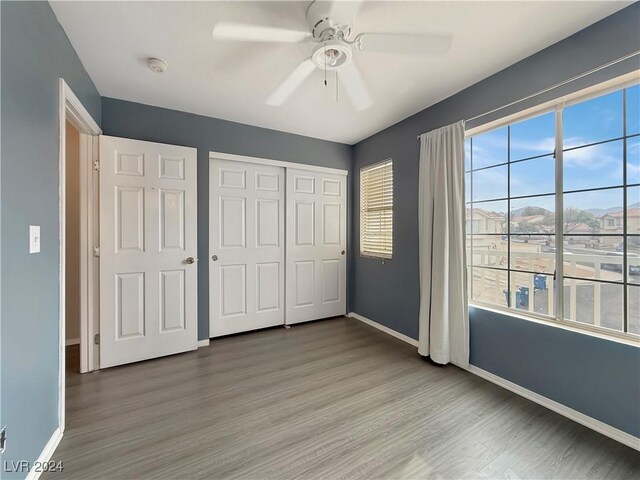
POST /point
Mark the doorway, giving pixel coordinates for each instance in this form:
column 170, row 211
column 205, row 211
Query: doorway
column 78, row 142
column 72, row 248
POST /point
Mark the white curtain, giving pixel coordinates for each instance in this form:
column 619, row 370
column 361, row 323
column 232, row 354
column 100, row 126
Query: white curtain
column 444, row 318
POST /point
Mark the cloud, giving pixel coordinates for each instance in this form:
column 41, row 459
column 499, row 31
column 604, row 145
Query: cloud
column 592, row 158
column 595, row 157
column 537, row 147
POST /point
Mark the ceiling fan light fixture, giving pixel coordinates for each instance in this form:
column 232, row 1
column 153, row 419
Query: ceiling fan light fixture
column 331, row 55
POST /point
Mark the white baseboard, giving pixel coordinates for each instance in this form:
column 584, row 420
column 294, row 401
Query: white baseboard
column 384, row 329
column 72, row 341
column 46, row 454
column 203, row 343
column 581, row 418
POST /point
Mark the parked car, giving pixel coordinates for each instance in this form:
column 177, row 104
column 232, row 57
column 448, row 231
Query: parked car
column 617, row 267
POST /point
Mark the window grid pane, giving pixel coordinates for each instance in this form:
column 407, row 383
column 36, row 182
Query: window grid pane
column 511, row 249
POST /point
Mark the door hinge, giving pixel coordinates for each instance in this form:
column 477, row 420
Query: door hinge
column 96, row 251
column 96, row 165
column 96, row 339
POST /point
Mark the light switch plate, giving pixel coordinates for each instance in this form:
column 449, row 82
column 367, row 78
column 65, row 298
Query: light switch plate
column 34, row 238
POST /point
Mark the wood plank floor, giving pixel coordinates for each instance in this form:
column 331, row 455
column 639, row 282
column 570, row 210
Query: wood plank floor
column 334, row 399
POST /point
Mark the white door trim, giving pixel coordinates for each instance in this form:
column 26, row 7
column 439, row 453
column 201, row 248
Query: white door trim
column 275, row 163
column 89, row 263
column 69, row 109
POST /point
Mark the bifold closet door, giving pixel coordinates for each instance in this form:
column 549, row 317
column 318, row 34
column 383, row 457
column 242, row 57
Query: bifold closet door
column 316, row 245
column 246, row 245
column 148, row 250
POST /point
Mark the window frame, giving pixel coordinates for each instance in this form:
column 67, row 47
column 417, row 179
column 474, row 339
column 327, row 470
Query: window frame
column 365, row 253
column 557, row 318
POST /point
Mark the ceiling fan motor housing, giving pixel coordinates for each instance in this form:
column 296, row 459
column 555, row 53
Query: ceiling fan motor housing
column 323, row 23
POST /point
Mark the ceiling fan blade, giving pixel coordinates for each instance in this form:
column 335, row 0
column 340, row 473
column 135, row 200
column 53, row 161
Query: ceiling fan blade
column 257, row 33
column 400, row 43
column 291, row 83
column 357, row 91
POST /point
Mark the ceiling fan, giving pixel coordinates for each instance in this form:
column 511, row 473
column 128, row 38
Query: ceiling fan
column 331, row 31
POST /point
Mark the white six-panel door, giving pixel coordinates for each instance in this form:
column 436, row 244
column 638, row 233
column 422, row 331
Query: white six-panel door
column 246, row 246
column 148, row 235
column 316, row 245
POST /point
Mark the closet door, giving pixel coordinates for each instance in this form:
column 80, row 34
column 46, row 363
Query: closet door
column 246, row 245
column 316, row 245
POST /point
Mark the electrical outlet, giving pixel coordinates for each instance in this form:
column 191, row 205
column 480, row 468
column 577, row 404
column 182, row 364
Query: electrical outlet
column 3, row 439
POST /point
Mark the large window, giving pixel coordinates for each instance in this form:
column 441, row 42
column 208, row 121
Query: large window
column 553, row 213
column 376, row 210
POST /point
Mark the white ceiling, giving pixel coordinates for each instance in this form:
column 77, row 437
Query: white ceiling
column 231, row 80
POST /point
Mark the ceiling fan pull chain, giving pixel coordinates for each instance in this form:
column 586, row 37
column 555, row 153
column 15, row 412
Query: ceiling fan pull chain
column 325, row 64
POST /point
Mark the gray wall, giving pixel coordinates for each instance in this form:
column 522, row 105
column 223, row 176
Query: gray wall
column 143, row 122
column 389, row 293
column 596, row 377
column 35, row 52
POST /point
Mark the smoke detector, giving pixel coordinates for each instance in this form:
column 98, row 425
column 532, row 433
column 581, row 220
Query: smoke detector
column 157, row 65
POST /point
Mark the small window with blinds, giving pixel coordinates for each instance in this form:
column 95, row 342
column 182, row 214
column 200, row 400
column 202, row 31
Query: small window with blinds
column 376, row 210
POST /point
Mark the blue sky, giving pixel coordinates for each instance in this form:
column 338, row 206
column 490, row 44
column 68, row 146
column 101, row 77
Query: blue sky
column 595, row 120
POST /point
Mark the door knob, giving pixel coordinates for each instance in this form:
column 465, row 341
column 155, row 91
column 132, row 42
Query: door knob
column 214, row 258
column 342, row 252
column 190, row 260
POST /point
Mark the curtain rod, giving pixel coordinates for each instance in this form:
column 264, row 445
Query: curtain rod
column 557, row 85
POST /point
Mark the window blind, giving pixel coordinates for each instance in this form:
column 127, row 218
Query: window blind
column 376, row 210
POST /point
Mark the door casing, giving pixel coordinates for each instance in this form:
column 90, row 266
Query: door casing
column 71, row 109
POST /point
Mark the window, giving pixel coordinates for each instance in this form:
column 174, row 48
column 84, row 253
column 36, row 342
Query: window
column 376, row 210
column 521, row 249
